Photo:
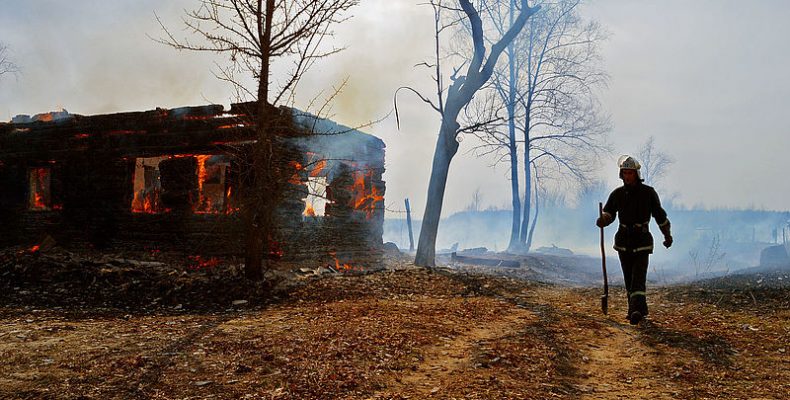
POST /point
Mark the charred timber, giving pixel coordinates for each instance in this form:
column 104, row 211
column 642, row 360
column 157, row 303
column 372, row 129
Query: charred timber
column 91, row 161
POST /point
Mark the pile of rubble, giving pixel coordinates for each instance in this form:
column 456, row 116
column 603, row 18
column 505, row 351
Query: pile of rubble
column 60, row 278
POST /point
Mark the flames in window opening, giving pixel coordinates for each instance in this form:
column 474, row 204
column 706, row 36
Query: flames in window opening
column 147, row 186
column 365, row 195
column 365, row 200
column 212, row 196
column 39, row 198
column 315, row 203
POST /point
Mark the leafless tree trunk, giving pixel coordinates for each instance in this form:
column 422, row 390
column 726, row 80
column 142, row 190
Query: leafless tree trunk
column 255, row 33
column 459, row 94
column 553, row 73
column 537, row 208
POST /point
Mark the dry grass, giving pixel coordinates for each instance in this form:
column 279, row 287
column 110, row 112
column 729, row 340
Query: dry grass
column 398, row 334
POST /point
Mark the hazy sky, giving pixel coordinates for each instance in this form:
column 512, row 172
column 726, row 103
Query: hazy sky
column 707, row 78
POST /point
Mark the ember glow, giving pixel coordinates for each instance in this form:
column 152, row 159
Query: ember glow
column 198, row 262
column 126, row 132
column 46, row 117
column 39, row 198
column 275, row 251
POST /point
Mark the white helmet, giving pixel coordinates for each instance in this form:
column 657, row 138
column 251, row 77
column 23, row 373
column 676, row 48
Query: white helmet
column 628, row 162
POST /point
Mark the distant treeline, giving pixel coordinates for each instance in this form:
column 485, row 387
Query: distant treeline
column 742, row 233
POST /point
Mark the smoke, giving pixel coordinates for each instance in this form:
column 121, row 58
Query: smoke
column 706, row 242
column 98, row 59
column 707, row 83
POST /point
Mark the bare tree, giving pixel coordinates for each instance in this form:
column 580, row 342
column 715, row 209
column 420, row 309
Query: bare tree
column 477, row 201
column 255, row 33
column 546, row 87
column 450, row 104
column 706, row 257
column 6, row 65
column 655, row 162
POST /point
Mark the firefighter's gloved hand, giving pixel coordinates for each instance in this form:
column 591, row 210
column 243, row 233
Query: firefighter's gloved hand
column 604, row 220
column 667, row 241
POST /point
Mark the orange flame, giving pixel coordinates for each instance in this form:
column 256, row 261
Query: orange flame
column 343, row 267
column 34, row 248
column 145, row 203
column 38, row 187
column 309, row 211
column 201, row 168
column 364, row 200
column 295, row 179
column 319, row 166
column 203, row 202
column 229, row 207
column 38, row 201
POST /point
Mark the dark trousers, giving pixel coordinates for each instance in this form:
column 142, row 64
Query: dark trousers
column 634, row 267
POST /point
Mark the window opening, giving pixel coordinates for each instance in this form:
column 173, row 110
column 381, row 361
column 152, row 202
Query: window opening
column 211, row 196
column 147, row 186
column 39, row 181
column 315, row 203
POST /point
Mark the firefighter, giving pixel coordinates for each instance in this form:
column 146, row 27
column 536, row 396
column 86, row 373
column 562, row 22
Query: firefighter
column 634, row 203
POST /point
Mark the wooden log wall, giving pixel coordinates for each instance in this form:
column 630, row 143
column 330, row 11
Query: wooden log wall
column 92, row 165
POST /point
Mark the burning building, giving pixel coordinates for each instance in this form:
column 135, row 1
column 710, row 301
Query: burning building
column 176, row 179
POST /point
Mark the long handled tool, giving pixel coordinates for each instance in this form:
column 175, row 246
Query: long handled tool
column 605, row 297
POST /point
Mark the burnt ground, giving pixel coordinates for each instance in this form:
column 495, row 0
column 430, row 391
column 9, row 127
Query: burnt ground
column 156, row 326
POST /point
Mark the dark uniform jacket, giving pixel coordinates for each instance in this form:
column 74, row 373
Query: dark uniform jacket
column 634, row 205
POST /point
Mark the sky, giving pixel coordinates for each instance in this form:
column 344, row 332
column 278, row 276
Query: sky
column 706, row 78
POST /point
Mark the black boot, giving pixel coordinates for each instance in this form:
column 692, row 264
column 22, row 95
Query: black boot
column 630, row 307
column 638, row 308
column 635, row 318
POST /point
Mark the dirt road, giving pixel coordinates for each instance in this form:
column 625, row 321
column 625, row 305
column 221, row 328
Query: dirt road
column 405, row 334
